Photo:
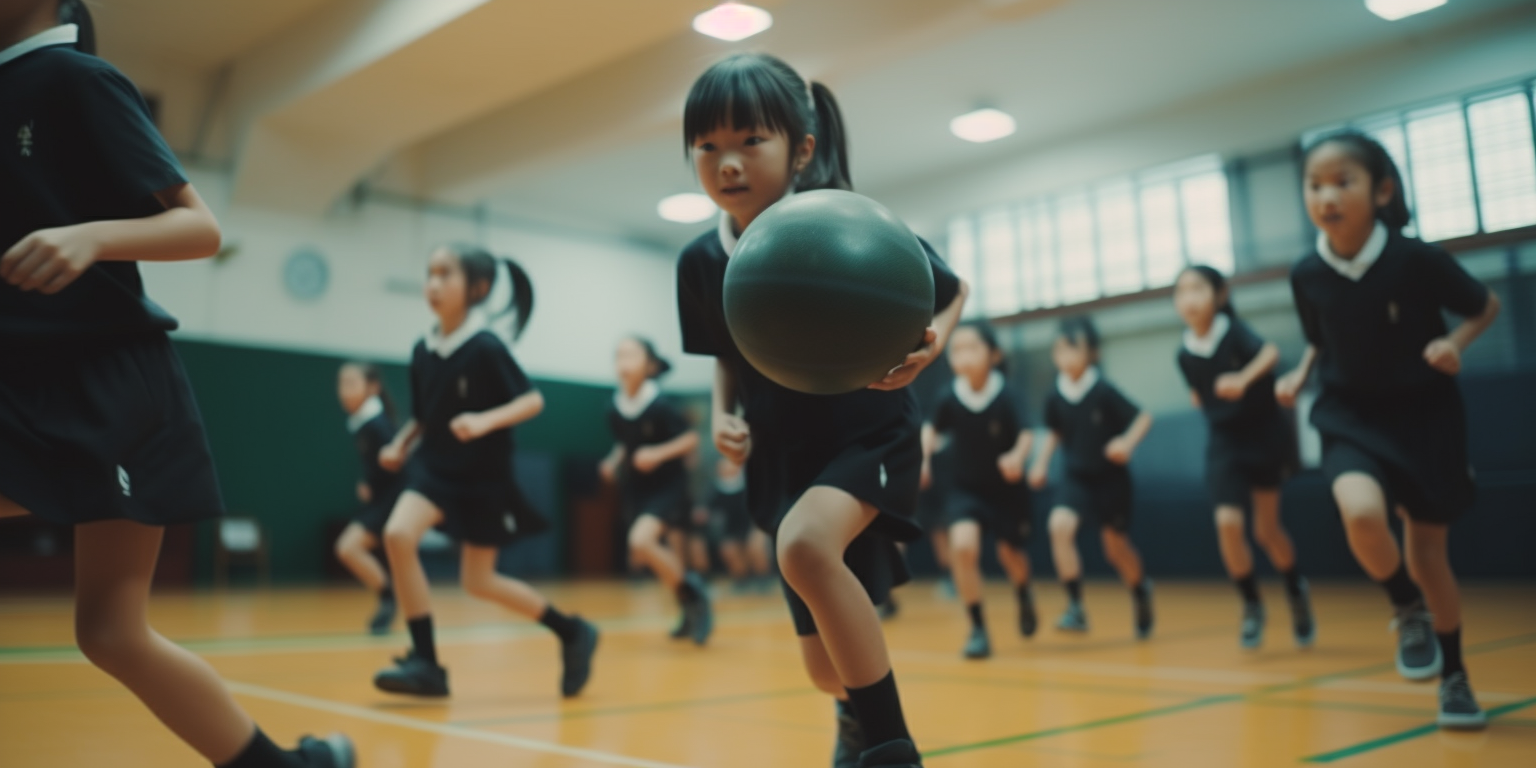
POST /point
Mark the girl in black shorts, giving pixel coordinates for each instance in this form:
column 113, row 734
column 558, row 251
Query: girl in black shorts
column 371, row 420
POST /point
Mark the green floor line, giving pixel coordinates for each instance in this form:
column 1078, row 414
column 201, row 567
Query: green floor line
column 631, row 709
column 1402, row 736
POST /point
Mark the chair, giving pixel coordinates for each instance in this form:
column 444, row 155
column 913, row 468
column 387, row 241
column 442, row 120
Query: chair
column 240, row 540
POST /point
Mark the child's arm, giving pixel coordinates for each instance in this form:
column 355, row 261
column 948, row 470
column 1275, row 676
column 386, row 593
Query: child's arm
column 934, row 340
column 1039, row 472
column 1011, row 464
column 1289, row 385
column 608, row 468
column 1444, row 354
column 731, row 433
column 392, row 456
column 648, row 458
column 472, row 426
column 48, row 260
column 1232, row 386
column 1119, row 450
column 930, row 440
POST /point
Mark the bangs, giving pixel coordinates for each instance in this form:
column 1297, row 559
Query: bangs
column 741, row 92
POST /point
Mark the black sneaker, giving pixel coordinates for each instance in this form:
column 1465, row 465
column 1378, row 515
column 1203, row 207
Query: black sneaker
column 1253, row 625
column 1302, row 624
column 413, row 675
column 1029, row 622
column 333, row 751
column 850, row 738
column 888, row 609
column 1418, row 652
column 892, row 754
column 576, row 658
column 1144, row 617
column 698, row 614
column 1458, row 707
column 1074, row 619
column 384, row 617
column 979, row 646
column 684, row 628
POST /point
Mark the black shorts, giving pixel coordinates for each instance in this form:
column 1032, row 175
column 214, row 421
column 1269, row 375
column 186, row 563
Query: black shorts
column 102, row 430
column 734, row 522
column 1238, row 463
column 670, row 503
column 1003, row 512
column 877, row 563
column 482, row 512
column 1342, row 457
column 1105, row 498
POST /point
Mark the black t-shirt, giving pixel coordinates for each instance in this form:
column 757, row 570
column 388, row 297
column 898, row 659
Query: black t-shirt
column 783, row 419
column 77, row 145
column 1088, row 425
column 370, row 438
column 659, row 422
column 1233, row 353
column 977, row 438
column 477, row 376
column 1371, row 334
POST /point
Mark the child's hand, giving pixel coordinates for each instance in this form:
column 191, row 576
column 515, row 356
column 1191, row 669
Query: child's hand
column 48, row 260
column 1037, row 477
column 1118, row 450
column 1011, row 466
column 1231, row 386
column 903, row 374
column 608, row 469
column 1443, row 355
column 1287, row 387
column 733, row 437
column 468, row 426
column 646, row 459
column 364, row 493
column 392, row 457
column 1194, row 398
column 925, row 475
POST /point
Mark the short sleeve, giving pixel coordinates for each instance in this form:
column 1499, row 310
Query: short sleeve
column 116, row 122
column 946, row 285
column 1245, row 342
column 693, row 313
column 673, row 422
column 1054, row 419
column 1311, row 323
column 1121, row 410
column 1015, row 400
column 1450, row 283
column 943, row 418
column 505, row 370
column 418, row 395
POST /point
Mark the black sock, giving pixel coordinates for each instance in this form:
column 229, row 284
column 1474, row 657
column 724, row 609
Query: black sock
column 1450, row 650
column 686, row 592
column 1074, row 589
column 260, row 752
column 978, row 621
column 564, row 627
column 1292, row 581
column 1248, row 587
column 1022, row 592
column 1139, row 589
column 421, row 637
column 1401, row 589
column 878, row 708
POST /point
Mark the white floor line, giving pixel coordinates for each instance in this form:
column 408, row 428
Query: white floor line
column 442, row 729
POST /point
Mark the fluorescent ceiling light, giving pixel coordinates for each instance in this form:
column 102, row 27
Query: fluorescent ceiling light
column 983, row 125
column 732, row 21
column 1392, row 10
column 686, row 208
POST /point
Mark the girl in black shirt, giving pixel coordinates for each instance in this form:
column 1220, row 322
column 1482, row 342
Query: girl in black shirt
column 467, row 394
column 98, row 425
column 834, row 478
column 1251, row 450
column 652, row 442
column 743, row 546
column 371, row 420
column 990, row 441
column 1371, row 302
column 1097, row 429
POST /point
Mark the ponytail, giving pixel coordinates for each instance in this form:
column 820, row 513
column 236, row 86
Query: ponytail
column 75, row 12
column 522, row 296
column 659, row 365
column 480, row 267
column 374, row 375
column 829, row 168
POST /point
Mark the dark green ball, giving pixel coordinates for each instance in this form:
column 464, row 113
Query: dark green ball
column 827, row 291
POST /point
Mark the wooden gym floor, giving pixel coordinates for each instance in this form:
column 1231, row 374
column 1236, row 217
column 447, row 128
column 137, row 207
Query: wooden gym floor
column 1188, row 698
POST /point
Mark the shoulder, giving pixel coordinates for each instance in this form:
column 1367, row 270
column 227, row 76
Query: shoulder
column 1242, row 331
column 703, row 252
column 487, row 343
column 419, row 352
column 1308, row 266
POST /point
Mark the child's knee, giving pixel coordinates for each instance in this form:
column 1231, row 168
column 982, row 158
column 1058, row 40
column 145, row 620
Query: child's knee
column 108, row 644
column 1229, row 520
column 1063, row 524
column 802, row 558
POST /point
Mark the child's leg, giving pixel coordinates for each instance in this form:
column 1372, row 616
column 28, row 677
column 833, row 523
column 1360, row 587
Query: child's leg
column 1122, row 554
column 412, row 517
column 698, row 553
column 757, row 552
column 965, row 565
column 1430, row 564
column 1233, row 540
column 1363, row 505
column 818, row 666
column 734, row 555
column 646, row 548
column 1015, row 564
column 1270, row 533
column 940, row 539
column 478, row 576
column 354, row 548
column 1063, row 526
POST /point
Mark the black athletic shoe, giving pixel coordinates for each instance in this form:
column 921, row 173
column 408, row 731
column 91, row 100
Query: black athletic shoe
column 384, row 617
column 684, row 628
column 888, row 609
column 698, row 614
column 892, row 754
column 1074, row 619
column 1302, row 623
column 333, row 751
column 1029, row 621
column 576, row 658
column 413, row 675
column 1144, row 616
column 850, row 738
column 1253, row 625
column 979, row 646
column 1458, row 707
column 1418, row 652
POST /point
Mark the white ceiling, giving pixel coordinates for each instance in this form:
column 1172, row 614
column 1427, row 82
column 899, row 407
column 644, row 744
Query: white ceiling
column 593, row 139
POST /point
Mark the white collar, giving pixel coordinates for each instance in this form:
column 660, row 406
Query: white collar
column 1355, row 268
column 728, row 236
column 1205, row 346
column 737, row 482
column 370, row 408
column 631, row 407
column 1075, row 391
column 445, row 346
column 64, row 34
column 975, row 401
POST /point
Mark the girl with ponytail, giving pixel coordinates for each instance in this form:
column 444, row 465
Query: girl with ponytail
column 468, row 393
column 1251, row 451
column 371, row 421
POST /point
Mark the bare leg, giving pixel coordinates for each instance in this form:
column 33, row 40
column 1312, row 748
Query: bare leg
column 645, row 547
column 757, row 552
column 1015, row 563
column 965, row 560
column 732, row 552
column 1063, row 526
column 354, row 548
column 1364, row 509
column 1269, row 532
column 1430, row 564
column 477, row 574
column 412, row 517
column 1122, row 554
column 1233, row 538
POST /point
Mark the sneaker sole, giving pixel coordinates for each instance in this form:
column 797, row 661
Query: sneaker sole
column 1460, row 722
column 342, row 750
column 391, row 687
column 1306, row 641
column 1421, row 674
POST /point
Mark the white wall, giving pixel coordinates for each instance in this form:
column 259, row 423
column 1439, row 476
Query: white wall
column 589, row 291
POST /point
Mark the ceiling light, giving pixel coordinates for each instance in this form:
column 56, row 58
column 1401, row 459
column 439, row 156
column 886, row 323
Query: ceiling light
column 732, row 21
column 983, row 125
column 1392, row 10
column 686, row 208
